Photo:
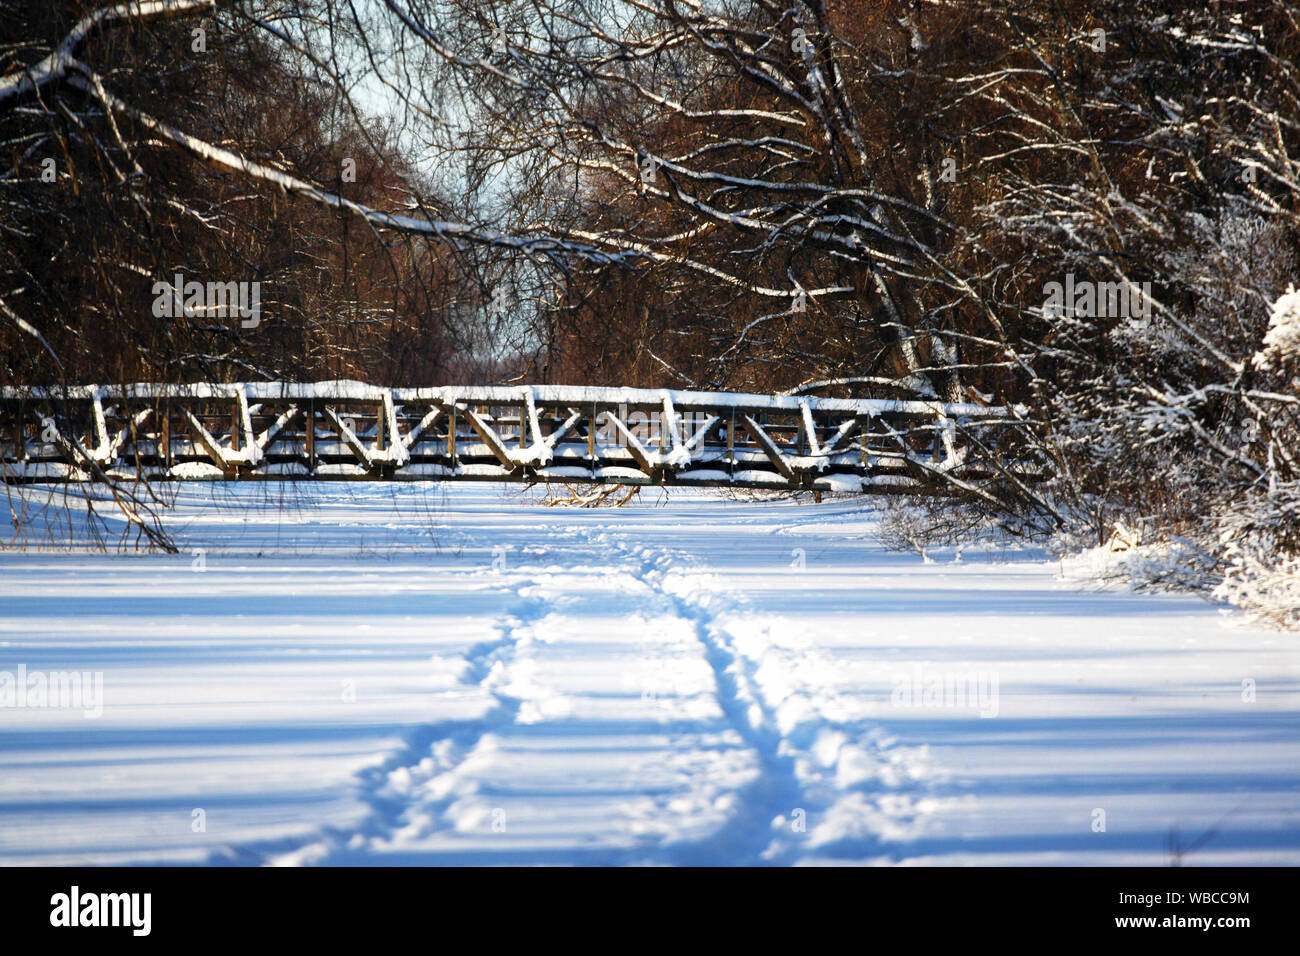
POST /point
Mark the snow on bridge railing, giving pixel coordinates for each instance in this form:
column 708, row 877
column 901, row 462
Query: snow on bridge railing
column 532, row 433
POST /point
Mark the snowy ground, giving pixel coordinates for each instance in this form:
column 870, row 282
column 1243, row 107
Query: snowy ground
column 425, row 674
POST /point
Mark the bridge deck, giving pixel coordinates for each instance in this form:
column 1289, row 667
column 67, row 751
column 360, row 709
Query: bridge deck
column 544, row 433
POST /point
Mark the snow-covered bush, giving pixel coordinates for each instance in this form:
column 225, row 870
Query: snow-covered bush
column 1262, row 557
column 1282, row 342
column 1168, row 564
column 1268, row 589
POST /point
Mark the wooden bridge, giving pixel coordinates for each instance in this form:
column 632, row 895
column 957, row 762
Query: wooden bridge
column 542, row 433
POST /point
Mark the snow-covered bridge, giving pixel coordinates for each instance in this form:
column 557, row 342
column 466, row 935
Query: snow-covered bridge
column 529, row 433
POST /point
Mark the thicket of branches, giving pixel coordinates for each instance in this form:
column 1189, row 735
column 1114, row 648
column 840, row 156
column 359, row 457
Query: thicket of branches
column 862, row 197
column 99, row 207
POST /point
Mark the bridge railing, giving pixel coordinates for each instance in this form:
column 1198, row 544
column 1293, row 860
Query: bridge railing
column 544, row 433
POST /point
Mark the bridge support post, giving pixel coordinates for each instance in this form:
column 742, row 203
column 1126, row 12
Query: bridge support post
column 236, row 434
column 731, row 446
column 451, row 435
column 310, row 434
column 20, row 433
column 165, row 433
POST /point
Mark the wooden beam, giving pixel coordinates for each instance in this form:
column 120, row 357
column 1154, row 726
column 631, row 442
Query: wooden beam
column 554, row 437
column 349, row 437
column 451, row 434
column 633, row 444
column 844, row 431
column 413, row 436
column 311, row 436
column 765, row 442
column 809, row 429
column 275, row 427
column 209, row 443
column 491, row 439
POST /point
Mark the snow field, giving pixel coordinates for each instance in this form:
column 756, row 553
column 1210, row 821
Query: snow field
column 412, row 675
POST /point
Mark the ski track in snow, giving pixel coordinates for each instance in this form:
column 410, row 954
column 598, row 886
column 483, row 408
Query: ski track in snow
column 631, row 686
column 412, row 793
column 412, row 790
column 810, row 762
column 416, row 792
